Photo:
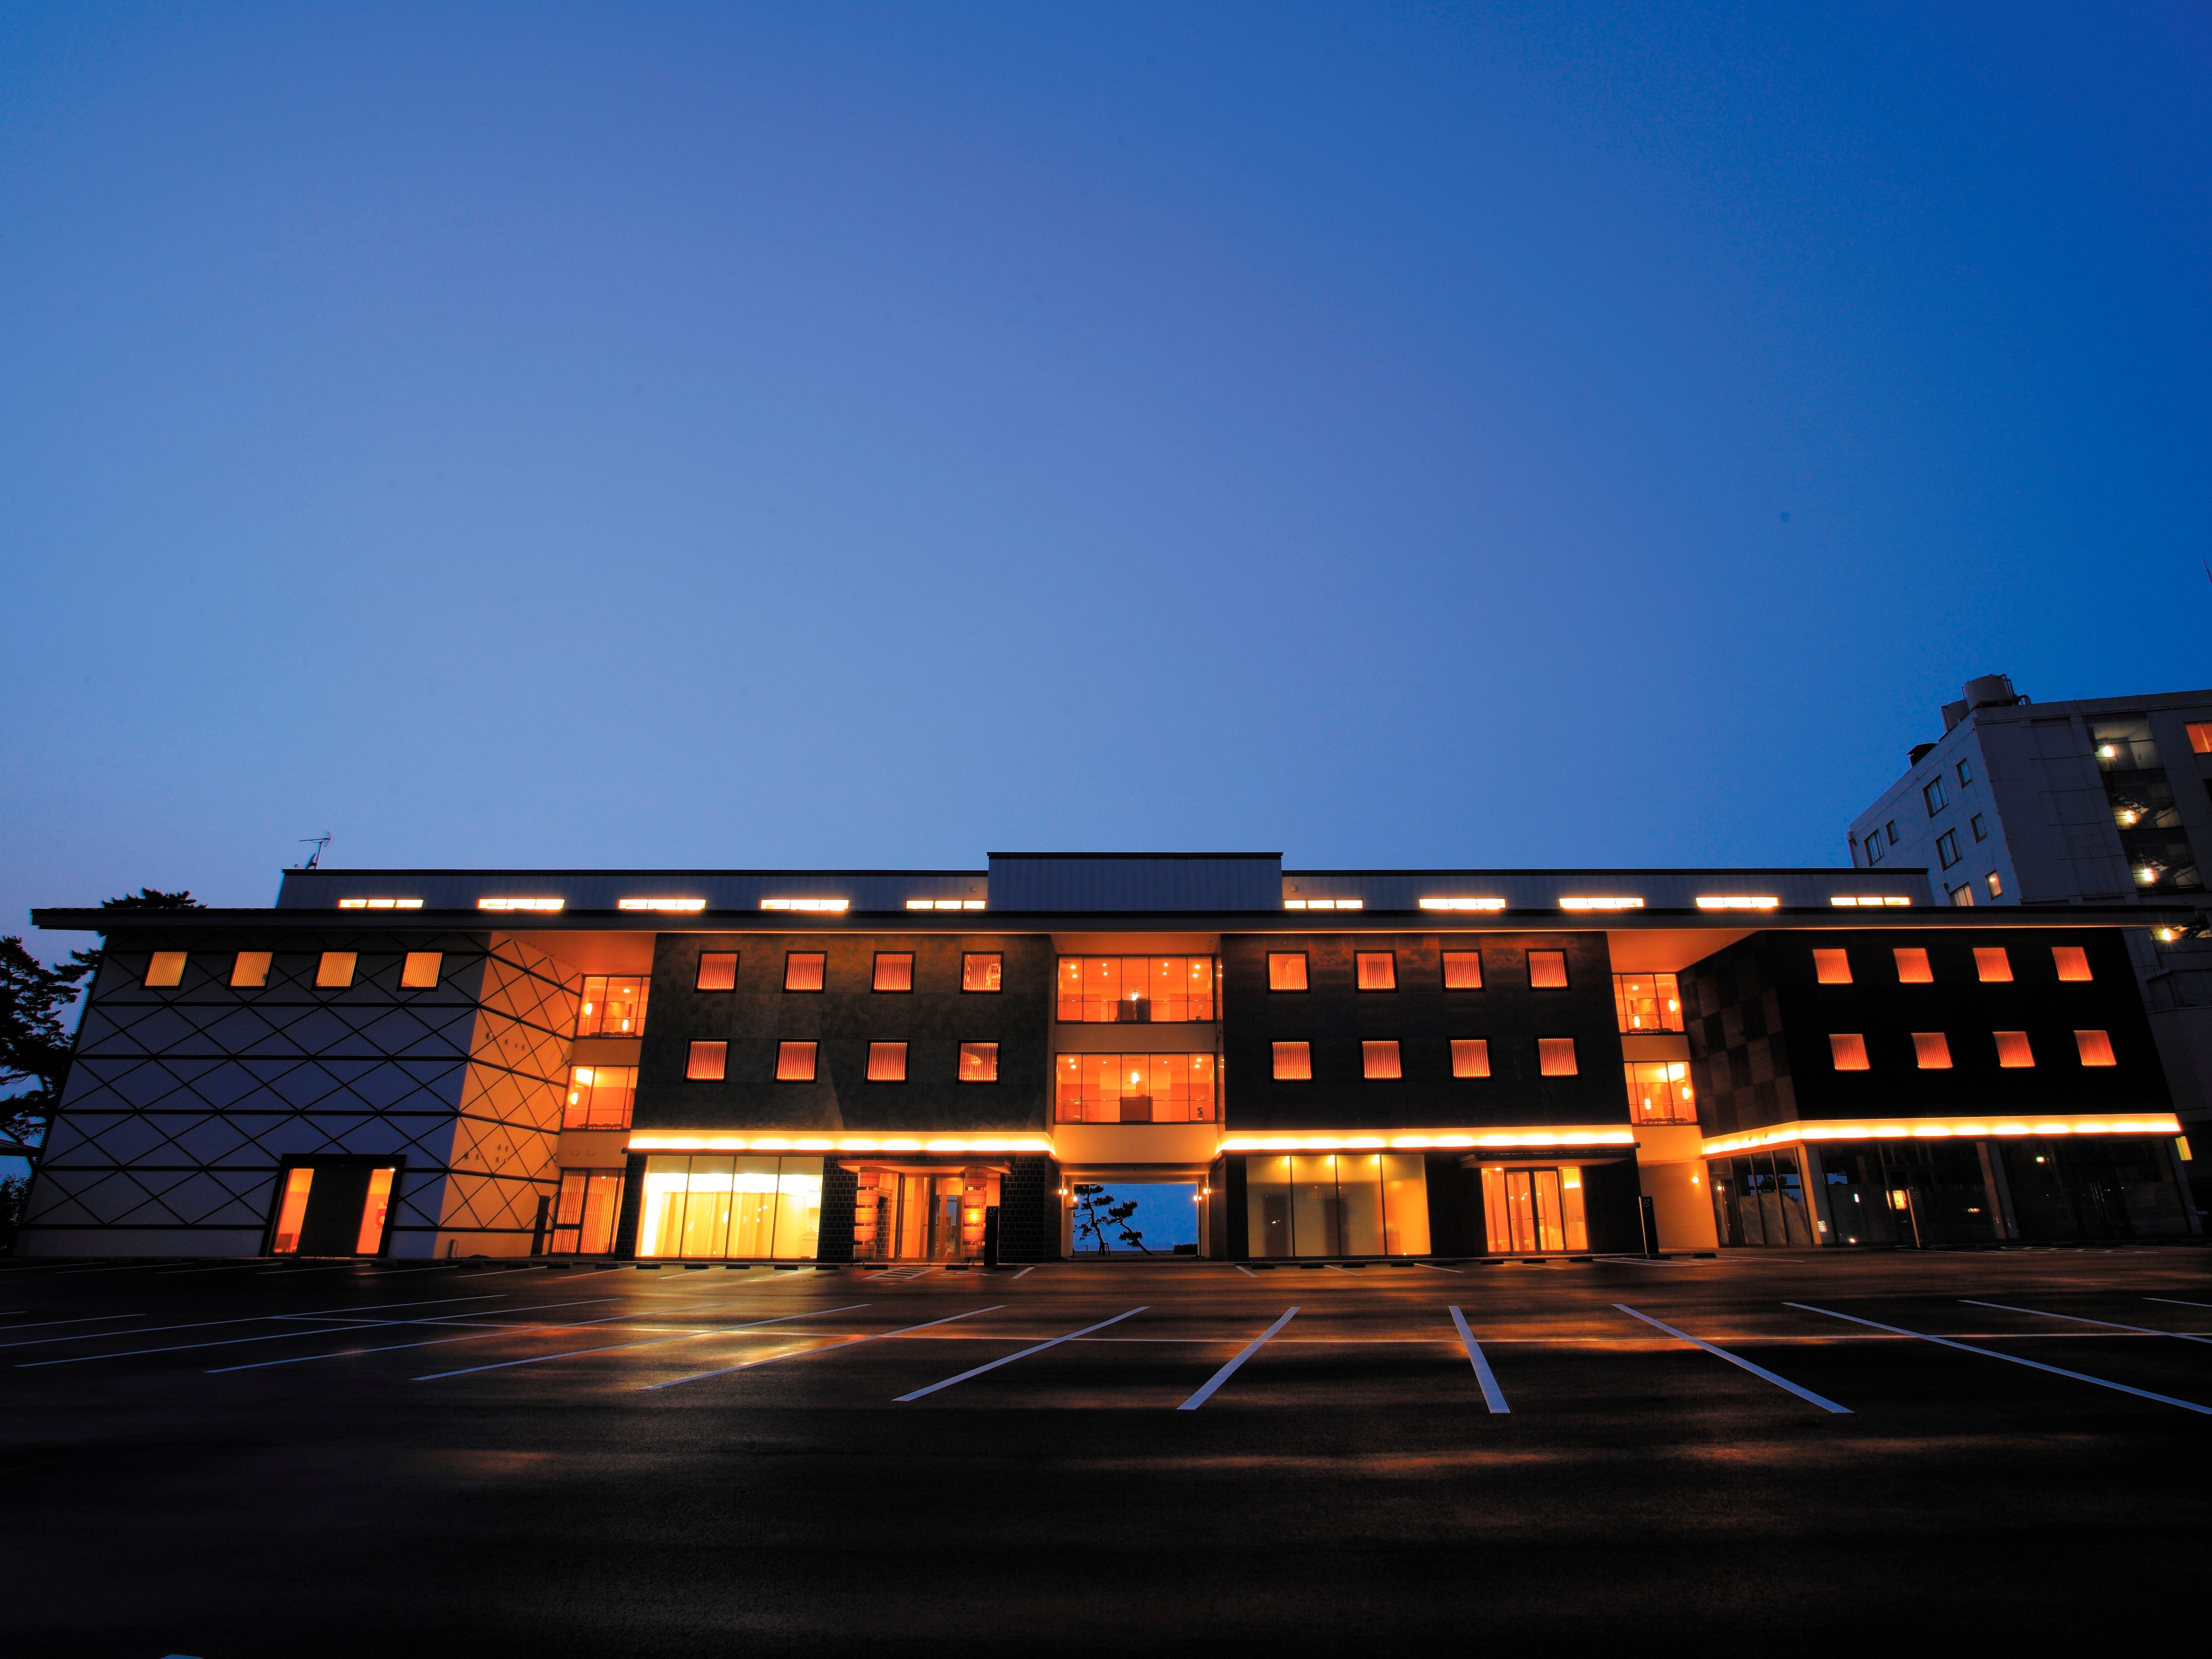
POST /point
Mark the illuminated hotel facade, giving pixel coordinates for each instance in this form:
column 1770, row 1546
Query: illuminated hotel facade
column 888, row 1066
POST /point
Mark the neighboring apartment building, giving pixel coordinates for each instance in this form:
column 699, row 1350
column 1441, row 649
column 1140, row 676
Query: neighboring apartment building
column 886, row 1066
column 2105, row 801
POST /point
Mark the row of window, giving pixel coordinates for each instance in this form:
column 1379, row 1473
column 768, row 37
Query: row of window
column 1470, row 1057
column 1932, row 1050
column 1992, row 965
column 1378, row 970
column 795, row 1062
column 334, row 969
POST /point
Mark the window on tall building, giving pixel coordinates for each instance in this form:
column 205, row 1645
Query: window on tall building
column 1293, row 1062
column 1380, row 1059
column 420, row 970
column 1462, row 970
column 1378, row 970
column 585, row 1214
column 887, row 1062
column 1873, row 847
column 1137, row 990
column 803, row 970
column 1994, row 884
column 707, row 1062
column 613, row 1005
column 794, row 1062
column 979, row 970
column 2095, row 1048
column 1947, row 848
column 1555, row 1057
column 2014, row 1052
column 1932, row 793
column 1286, row 970
column 1659, row 1091
column 1134, row 1089
column 1547, row 970
column 894, row 971
column 1470, row 1056
column 1932, row 1050
column 601, row 1096
column 1966, row 771
column 1912, row 966
column 1892, row 828
column 2072, row 963
column 1831, row 967
column 1991, row 965
column 978, row 1062
column 1981, row 829
column 1962, row 896
column 167, row 968
column 252, row 969
column 1647, row 1002
column 1848, row 1050
column 2200, row 736
column 335, row 970
column 718, row 970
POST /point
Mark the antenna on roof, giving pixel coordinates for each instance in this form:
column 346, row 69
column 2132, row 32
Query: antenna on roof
column 315, row 858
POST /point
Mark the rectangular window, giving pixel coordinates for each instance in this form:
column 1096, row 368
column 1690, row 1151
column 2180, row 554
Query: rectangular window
column 893, row 972
column 978, row 1062
column 1966, row 769
column 1337, row 1204
column 1547, row 970
column 720, row 1206
column 613, row 1005
column 707, row 1062
column 1831, row 967
column 794, row 1062
column 1933, row 794
column 887, row 1062
column 979, row 970
column 803, row 970
column 1526, row 1211
column 1892, row 828
column 1555, row 1056
column 1912, row 966
column 2095, row 1048
column 1286, row 970
column 1378, row 970
column 375, row 1206
column 1932, row 1050
column 1134, row 1088
column 1647, row 1002
column 1462, row 970
column 1848, row 1050
column 292, row 1212
column 167, row 968
column 585, row 1214
column 1294, row 1060
column 1947, row 848
column 2013, row 1053
column 335, row 970
column 1659, row 1091
column 1991, row 965
column 1142, row 990
column 1873, row 847
column 2072, row 963
column 420, row 971
column 1996, row 886
column 718, row 970
column 1961, row 896
column 1470, row 1056
column 252, row 969
column 1980, row 828
column 1380, row 1059
column 601, row 1096
column 2200, row 736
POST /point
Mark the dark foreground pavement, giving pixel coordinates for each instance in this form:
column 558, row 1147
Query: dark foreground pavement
column 481, row 1459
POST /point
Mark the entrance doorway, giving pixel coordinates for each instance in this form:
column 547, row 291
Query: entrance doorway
column 1534, row 1211
column 333, row 1206
column 921, row 1215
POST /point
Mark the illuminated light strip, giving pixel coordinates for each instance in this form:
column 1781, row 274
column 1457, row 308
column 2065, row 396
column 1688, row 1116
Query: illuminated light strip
column 1324, row 904
column 1941, row 1129
column 1564, row 1136
column 381, row 904
column 722, row 1143
column 1621, row 902
column 660, row 904
column 1737, row 901
column 945, row 904
column 1463, row 904
column 805, row 904
column 1865, row 901
column 521, row 904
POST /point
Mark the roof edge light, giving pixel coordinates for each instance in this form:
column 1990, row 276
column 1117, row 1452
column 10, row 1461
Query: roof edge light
column 1602, row 902
column 547, row 904
column 1463, row 904
column 1866, row 901
column 379, row 904
column 680, row 904
column 1324, row 904
column 945, row 904
column 1737, row 901
column 828, row 904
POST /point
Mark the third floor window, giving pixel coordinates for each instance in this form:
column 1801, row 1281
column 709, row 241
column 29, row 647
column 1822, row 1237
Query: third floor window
column 613, row 1006
column 1154, row 990
column 1647, row 1002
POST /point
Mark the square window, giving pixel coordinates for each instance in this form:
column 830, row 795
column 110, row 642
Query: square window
column 335, row 970
column 1933, row 794
column 1933, row 1051
column 707, row 1062
column 1555, row 1056
column 1462, row 970
column 893, row 972
column 2200, row 736
column 613, row 1004
column 2072, row 963
column 1286, row 971
column 1380, row 1059
column 978, row 1062
column 1848, row 1050
column 803, row 970
column 599, row 1096
column 1962, row 896
column 1470, row 1057
column 2013, row 1053
column 978, row 971
column 420, row 971
column 1979, row 826
column 794, row 1062
column 1833, row 967
column 1991, row 965
column 167, row 968
column 1966, row 769
column 1947, row 848
column 2095, row 1048
column 1377, row 970
column 252, row 969
column 1912, row 966
column 1293, row 1060
column 887, row 1062
column 1996, row 886
column 718, row 970
column 1547, row 970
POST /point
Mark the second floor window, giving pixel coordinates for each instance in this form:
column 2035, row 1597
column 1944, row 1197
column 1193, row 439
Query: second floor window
column 1145, row 990
column 599, row 1096
column 613, row 1005
column 893, row 972
column 803, row 970
column 1378, row 970
column 1547, row 970
column 1134, row 1089
column 979, row 970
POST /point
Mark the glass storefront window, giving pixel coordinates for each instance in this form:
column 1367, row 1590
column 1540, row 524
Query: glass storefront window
column 599, row 1096
column 1156, row 990
column 585, row 1214
column 1337, row 1204
column 1660, row 1091
column 1534, row 1211
column 1134, row 1088
column 712, row 1207
column 912, row 1216
column 1647, row 1002
column 613, row 1006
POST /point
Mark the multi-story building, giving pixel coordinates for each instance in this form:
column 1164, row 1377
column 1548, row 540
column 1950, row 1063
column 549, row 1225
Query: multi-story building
column 837, row 1065
column 2102, row 802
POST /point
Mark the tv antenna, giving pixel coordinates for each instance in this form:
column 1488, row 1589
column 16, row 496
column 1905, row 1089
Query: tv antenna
column 315, row 858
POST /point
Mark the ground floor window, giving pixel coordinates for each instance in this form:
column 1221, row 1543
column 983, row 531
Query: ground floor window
column 2092, row 1188
column 1531, row 1211
column 338, row 1205
column 921, row 1216
column 1760, row 1199
column 706, row 1206
column 1337, row 1204
column 585, row 1214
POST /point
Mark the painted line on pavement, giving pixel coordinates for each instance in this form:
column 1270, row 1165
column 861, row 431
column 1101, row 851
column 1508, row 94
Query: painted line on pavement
column 801, row 1354
column 2177, row 1302
column 2075, row 1319
column 683, row 1336
column 89, row 1319
column 1022, row 1274
column 1823, row 1403
column 920, row 1393
column 349, row 1317
column 1433, row 1268
column 1229, row 1371
column 481, row 1334
column 1492, row 1395
column 1247, row 1271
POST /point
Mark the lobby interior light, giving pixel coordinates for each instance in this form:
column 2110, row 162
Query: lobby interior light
column 1737, row 901
column 1602, row 902
column 1463, row 904
column 379, row 904
column 547, row 904
column 660, row 904
column 806, row 904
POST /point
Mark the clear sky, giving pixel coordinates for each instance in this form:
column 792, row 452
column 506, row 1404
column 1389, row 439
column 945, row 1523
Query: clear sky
column 1504, row 434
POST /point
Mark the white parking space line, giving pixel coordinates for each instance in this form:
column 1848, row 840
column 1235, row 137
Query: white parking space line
column 120, row 1267
column 920, row 1393
column 1433, row 1268
column 226, row 1342
column 478, row 1334
column 2177, row 1302
column 2010, row 1359
column 2074, row 1319
column 681, row 1336
column 837, row 1347
column 1492, row 1395
column 1646, row 1261
column 89, row 1319
column 1024, row 1274
column 1230, row 1370
column 348, row 1318
column 1825, row 1404
column 1247, row 1271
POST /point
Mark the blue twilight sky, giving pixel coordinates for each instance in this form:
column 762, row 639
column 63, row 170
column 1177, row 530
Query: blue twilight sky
column 821, row 434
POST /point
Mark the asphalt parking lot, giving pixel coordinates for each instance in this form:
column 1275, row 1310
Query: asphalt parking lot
column 226, row 1459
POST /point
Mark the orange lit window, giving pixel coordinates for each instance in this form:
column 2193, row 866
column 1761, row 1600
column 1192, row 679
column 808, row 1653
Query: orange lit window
column 1380, row 1059
column 1462, row 970
column 803, row 970
column 2200, row 736
column 1286, row 970
column 1555, row 1056
column 978, row 1062
column 1659, row 1091
column 1833, row 967
column 612, row 1007
column 1647, row 1002
column 1294, row 1060
column 1547, row 970
column 585, row 1214
column 1134, row 1088
column 1470, row 1057
column 292, row 1212
column 978, row 971
column 707, row 1062
column 794, row 1062
column 893, row 972
column 718, row 970
column 1933, row 1050
column 1378, row 970
column 1912, row 967
column 2096, row 1049
column 252, row 969
column 2072, row 962
column 1143, row 990
column 600, row 1096
column 420, row 971
column 335, row 970
column 887, row 1062
column 373, row 1209
column 1848, row 1050
column 2014, row 1053
column 166, row 967
column 1991, row 964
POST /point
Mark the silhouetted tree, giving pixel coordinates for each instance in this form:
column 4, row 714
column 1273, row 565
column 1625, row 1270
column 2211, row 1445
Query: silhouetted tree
column 1096, row 1211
